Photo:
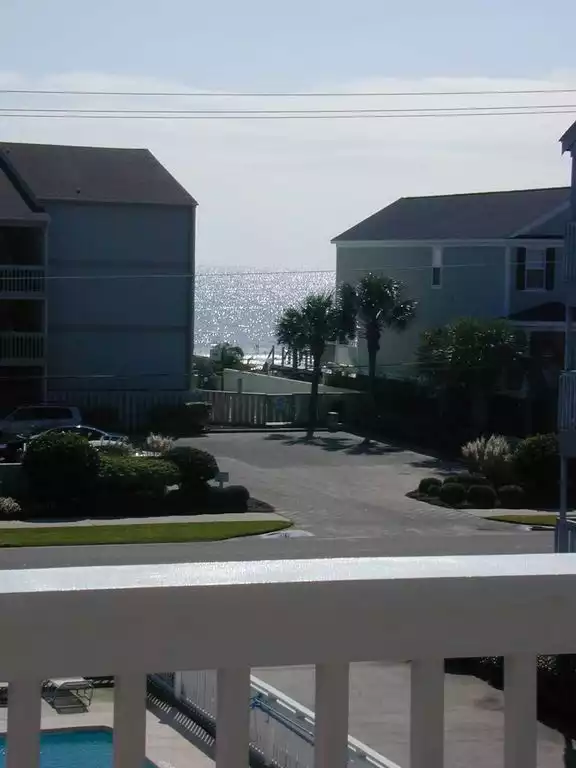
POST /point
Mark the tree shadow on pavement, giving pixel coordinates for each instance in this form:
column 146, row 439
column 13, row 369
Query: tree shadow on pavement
column 349, row 446
column 437, row 464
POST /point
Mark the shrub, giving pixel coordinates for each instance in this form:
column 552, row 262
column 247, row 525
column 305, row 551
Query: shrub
column 481, row 496
column 427, row 483
column 512, row 496
column 181, row 420
column 452, row 494
column 537, row 465
column 196, row 467
column 158, row 443
column 122, row 476
column 472, row 478
column 60, row 467
column 466, row 479
column 490, row 456
column 114, row 448
column 233, row 498
column 9, row 508
column 434, row 490
column 450, row 479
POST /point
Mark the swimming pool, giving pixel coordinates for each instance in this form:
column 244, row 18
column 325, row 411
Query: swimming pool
column 90, row 748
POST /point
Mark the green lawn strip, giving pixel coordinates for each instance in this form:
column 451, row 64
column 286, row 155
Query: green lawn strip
column 152, row 533
column 543, row 519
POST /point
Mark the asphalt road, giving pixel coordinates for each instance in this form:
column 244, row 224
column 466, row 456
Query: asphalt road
column 337, row 488
column 350, row 501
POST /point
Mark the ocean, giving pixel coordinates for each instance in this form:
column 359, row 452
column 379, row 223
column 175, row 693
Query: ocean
column 241, row 306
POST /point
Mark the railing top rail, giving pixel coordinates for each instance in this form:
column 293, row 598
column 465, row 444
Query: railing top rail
column 268, row 572
column 277, row 613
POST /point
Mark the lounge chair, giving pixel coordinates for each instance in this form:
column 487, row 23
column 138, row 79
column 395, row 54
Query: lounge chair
column 56, row 688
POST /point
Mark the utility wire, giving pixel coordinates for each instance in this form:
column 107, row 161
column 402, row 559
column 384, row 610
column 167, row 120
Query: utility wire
column 280, row 94
column 213, row 275
column 283, row 112
column 288, row 116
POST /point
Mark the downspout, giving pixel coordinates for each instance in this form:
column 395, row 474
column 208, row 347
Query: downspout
column 562, row 525
column 191, row 299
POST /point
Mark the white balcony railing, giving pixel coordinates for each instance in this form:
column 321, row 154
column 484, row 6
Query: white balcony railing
column 16, row 346
column 131, row 620
column 570, row 252
column 19, row 280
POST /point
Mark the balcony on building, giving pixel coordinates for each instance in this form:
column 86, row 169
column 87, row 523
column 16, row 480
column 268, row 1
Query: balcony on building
column 130, row 621
column 21, row 332
column 21, row 262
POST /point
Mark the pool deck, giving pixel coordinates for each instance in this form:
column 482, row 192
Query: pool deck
column 166, row 747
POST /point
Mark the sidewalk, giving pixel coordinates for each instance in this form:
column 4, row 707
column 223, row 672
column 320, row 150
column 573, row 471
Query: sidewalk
column 225, row 518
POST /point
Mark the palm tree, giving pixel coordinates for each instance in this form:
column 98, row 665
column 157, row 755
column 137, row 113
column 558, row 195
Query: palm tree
column 380, row 307
column 289, row 333
column 319, row 319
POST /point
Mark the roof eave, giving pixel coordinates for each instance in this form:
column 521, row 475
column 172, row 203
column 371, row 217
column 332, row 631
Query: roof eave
column 568, row 139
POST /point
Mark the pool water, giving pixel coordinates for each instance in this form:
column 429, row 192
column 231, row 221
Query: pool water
column 73, row 749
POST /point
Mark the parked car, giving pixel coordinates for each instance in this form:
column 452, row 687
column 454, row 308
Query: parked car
column 32, row 419
column 93, row 434
column 11, row 448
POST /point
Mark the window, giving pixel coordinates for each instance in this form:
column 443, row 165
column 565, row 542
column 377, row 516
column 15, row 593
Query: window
column 437, row 268
column 535, row 269
column 41, row 413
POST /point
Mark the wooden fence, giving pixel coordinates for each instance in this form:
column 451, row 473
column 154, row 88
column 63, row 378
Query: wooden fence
column 131, row 406
column 249, row 409
column 228, row 408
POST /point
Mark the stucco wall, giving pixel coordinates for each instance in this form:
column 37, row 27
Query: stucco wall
column 116, row 317
column 473, row 285
column 269, row 385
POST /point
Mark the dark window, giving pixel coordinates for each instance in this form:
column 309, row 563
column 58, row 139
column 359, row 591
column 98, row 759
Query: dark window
column 535, row 269
column 32, row 414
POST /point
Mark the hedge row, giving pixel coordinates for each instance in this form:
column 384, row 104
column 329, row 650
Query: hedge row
column 473, row 490
column 64, row 470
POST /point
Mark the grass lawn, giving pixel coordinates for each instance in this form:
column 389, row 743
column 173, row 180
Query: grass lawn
column 152, row 533
column 543, row 519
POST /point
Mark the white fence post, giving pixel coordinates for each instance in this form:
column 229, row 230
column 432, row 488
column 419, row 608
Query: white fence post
column 233, row 717
column 331, row 705
column 520, row 736
column 129, row 721
column 24, row 709
column 427, row 713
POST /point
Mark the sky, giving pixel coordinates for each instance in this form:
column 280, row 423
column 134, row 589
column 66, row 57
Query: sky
column 272, row 193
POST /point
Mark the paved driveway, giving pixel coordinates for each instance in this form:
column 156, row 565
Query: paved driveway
column 337, row 488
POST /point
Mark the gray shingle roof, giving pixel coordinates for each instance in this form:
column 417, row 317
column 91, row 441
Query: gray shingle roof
column 13, row 206
column 94, row 174
column 482, row 215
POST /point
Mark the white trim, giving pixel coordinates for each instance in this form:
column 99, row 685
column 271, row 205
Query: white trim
column 543, row 325
column 565, row 206
column 527, row 242
column 507, row 280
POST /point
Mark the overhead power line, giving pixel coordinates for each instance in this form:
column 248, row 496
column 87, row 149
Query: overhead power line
column 279, row 94
column 281, row 112
column 293, row 115
column 246, row 274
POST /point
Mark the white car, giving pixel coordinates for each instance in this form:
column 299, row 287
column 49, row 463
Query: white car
column 31, row 419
